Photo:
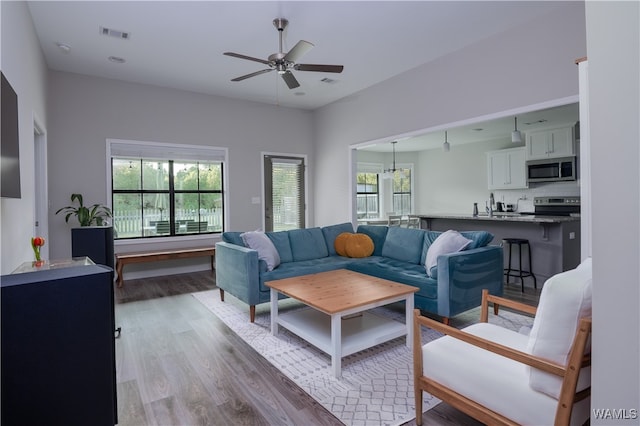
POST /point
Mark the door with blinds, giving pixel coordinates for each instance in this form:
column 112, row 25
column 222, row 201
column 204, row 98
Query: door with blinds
column 284, row 193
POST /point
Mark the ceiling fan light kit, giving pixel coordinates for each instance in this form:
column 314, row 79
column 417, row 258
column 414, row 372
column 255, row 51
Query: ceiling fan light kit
column 284, row 62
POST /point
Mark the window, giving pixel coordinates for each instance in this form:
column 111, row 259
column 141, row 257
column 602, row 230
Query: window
column 401, row 189
column 284, row 193
column 156, row 196
column 368, row 190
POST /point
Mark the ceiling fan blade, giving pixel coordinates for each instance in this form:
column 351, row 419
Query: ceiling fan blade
column 249, row 58
column 290, row 79
column 253, row 74
column 298, row 51
column 318, row 68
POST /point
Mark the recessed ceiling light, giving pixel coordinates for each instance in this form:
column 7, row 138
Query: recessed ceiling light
column 64, row 47
column 478, row 129
column 117, row 59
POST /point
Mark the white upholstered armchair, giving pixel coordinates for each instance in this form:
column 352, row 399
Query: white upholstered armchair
column 503, row 377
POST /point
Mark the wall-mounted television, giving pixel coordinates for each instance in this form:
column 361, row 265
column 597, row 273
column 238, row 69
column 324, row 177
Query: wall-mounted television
column 10, row 143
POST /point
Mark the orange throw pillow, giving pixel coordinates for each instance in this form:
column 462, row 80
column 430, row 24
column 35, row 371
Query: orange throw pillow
column 359, row 245
column 353, row 245
column 340, row 243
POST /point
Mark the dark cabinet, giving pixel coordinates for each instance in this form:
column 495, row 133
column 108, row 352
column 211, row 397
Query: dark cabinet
column 58, row 348
column 95, row 242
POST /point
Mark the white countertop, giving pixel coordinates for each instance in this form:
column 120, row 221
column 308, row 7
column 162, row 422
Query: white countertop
column 502, row 217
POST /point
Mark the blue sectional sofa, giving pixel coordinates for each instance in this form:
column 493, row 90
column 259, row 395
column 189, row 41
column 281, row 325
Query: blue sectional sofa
column 399, row 255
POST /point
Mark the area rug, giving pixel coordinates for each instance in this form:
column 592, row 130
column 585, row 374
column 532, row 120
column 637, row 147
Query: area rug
column 376, row 387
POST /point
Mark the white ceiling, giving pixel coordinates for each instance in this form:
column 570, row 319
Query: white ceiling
column 489, row 130
column 180, row 44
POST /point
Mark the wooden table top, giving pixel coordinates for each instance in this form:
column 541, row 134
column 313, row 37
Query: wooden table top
column 336, row 291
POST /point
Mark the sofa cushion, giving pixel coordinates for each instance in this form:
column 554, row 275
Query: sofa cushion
column 303, row 267
column 404, row 244
column 398, row 271
column 307, row 244
column 331, row 232
column 448, row 242
column 280, row 240
column 233, row 237
column 258, row 241
column 377, row 233
column 564, row 300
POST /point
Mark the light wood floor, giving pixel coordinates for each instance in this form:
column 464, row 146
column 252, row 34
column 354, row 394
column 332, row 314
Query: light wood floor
column 178, row 364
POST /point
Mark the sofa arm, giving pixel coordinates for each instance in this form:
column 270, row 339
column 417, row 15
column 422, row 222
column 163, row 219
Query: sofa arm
column 463, row 275
column 237, row 272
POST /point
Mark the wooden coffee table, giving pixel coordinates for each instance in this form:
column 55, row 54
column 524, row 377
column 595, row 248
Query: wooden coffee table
column 338, row 324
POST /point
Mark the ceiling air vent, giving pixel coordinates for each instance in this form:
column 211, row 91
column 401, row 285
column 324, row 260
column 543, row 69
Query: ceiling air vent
column 328, row 80
column 115, row 33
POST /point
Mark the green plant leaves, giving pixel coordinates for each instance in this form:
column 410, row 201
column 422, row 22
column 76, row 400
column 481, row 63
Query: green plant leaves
column 97, row 213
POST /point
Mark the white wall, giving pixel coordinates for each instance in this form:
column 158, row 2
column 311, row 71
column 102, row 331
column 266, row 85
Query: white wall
column 24, row 67
column 85, row 111
column 614, row 56
column 527, row 66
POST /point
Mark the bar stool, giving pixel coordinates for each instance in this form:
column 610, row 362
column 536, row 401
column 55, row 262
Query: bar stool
column 520, row 273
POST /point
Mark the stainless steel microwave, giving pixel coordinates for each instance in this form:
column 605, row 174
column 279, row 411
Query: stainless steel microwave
column 551, row 169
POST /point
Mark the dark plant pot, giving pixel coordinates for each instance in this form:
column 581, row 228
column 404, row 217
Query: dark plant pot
column 95, row 242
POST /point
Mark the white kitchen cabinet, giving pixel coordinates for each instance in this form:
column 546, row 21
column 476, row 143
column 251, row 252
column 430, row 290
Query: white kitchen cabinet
column 551, row 143
column 506, row 169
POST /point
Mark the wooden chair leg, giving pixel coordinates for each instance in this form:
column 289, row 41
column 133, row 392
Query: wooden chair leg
column 496, row 308
column 445, row 320
column 252, row 313
column 418, row 396
column 221, row 295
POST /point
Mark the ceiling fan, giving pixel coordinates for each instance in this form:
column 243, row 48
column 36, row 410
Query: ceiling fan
column 284, row 62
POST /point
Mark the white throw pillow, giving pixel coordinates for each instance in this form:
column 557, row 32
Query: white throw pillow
column 259, row 241
column 565, row 299
column 447, row 242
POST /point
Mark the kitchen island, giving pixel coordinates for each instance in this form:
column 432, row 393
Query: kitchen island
column 554, row 240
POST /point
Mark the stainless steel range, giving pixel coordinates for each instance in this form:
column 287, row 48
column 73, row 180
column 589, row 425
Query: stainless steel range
column 555, row 206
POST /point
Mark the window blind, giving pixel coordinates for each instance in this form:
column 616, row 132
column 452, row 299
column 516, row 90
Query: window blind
column 163, row 151
column 284, row 193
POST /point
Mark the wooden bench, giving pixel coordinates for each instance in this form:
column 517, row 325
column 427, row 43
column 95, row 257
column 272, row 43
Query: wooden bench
column 153, row 256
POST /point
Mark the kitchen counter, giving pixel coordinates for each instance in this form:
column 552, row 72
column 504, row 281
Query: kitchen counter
column 554, row 240
column 502, row 217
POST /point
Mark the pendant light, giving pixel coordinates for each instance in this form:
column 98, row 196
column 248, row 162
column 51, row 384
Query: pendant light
column 388, row 173
column 516, row 136
column 446, row 146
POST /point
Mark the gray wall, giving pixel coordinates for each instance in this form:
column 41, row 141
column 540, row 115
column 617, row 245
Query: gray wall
column 85, row 111
column 24, row 67
column 614, row 56
column 512, row 70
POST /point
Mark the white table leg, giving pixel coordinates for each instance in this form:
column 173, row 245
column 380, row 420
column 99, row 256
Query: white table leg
column 336, row 345
column 274, row 312
column 409, row 319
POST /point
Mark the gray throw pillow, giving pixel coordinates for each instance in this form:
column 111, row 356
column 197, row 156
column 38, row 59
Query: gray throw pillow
column 447, row 242
column 258, row 241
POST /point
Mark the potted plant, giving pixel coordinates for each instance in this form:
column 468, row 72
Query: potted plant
column 87, row 216
column 94, row 237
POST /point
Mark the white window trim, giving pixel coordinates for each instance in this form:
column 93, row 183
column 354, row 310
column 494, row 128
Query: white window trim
column 411, row 167
column 162, row 150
